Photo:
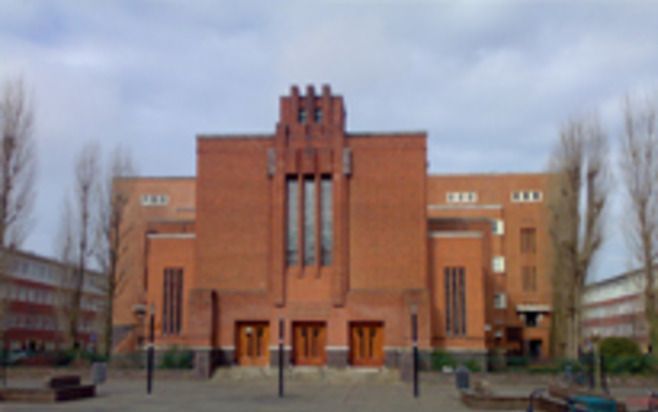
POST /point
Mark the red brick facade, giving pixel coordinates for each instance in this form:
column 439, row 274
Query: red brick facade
column 342, row 235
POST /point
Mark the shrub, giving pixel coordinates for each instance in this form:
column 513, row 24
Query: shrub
column 517, row 361
column 64, row 357
column 630, row 364
column 441, row 358
column 175, row 358
column 473, row 365
column 614, row 347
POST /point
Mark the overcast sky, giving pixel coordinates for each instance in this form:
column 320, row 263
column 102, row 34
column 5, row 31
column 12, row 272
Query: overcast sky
column 490, row 81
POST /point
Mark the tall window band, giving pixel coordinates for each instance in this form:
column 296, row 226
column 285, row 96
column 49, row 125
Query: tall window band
column 172, row 307
column 455, row 300
column 316, row 197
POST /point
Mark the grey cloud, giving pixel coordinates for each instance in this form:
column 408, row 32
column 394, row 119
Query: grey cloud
column 490, row 81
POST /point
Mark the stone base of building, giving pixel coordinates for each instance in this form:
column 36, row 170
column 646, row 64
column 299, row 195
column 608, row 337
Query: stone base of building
column 274, row 357
column 206, row 360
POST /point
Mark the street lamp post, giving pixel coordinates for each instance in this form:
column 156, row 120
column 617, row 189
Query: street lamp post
column 151, row 350
column 281, row 341
column 414, row 337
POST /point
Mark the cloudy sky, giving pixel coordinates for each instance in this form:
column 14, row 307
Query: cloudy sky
column 491, row 81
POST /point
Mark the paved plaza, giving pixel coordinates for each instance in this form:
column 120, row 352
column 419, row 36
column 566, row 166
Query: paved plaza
column 252, row 396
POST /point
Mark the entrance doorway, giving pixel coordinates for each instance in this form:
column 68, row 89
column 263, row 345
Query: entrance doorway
column 252, row 343
column 309, row 341
column 534, row 349
column 367, row 343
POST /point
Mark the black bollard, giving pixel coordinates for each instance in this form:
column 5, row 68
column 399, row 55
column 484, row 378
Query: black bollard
column 414, row 335
column 151, row 352
column 281, row 340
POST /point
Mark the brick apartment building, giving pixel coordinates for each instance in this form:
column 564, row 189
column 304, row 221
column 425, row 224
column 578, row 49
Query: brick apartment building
column 615, row 307
column 341, row 234
column 33, row 295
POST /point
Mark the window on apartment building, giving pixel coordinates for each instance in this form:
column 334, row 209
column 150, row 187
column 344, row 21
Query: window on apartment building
column 498, row 227
column 301, row 115
column 313, row 195
column 531, row 319
column 455, row 300
column 292, row 243
column 529, row 278
column 172, row 308
column 155, row 200
column 461, row 197
column 528, row 240
column 318, row 115
column 527, row 196
column 498, row 264
column 500, row 301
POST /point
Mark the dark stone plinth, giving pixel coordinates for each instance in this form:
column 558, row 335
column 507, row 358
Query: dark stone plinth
column 338, row 358
column 274, row 357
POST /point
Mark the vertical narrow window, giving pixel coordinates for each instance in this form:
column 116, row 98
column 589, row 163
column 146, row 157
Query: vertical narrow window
column 455, row 297
column 172, row 302
column 528, row 240
column 292, row 241
column 327, row 220
column 462, row 300
column 309, row 220
column 448, row 301
column 455, row 301
column 529, row 278
column 179, row 300
column 165, row 302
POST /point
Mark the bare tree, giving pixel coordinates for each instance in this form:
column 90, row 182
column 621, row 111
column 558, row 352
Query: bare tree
column 87, row 174
column 17, row 171
column 639, row 166
column 577, row 198
column 112, row 233
column 65, row 248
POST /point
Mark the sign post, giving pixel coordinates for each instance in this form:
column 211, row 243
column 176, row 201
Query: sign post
column 414, row 337
column 151, row 351
column 281, row 341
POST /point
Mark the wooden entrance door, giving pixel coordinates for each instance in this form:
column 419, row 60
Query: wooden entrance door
column 252, row 343
column 367, row 343
column 309, row 341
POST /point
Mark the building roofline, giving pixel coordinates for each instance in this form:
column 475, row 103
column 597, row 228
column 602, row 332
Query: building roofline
column 614, row 278
column 46, row 259
column 233, row 136
column 155, row 178
column 488, row 174
column 394, row 133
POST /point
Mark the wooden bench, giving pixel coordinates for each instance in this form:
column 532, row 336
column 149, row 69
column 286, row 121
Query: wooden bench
column 63, row 381
column 69, row 387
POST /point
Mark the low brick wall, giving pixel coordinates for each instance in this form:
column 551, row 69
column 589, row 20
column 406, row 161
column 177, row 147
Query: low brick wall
column 47, row 395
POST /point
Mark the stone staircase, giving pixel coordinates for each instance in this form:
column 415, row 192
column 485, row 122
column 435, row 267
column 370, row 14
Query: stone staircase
column 308, row 374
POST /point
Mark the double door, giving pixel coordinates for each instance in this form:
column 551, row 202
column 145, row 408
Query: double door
column 309, row 341
column 253, row 341
column 367, row 343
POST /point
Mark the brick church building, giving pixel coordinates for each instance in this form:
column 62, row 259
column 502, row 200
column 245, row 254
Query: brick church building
column 341, row 234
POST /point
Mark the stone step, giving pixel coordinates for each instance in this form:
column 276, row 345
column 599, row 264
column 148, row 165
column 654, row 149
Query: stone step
column 308, row 374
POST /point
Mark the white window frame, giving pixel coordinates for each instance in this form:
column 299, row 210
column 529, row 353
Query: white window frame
column 527, row 196
column 500, row 301
column 461, row 197
column 149, row 199
column 498, row 227
column 498, row 264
